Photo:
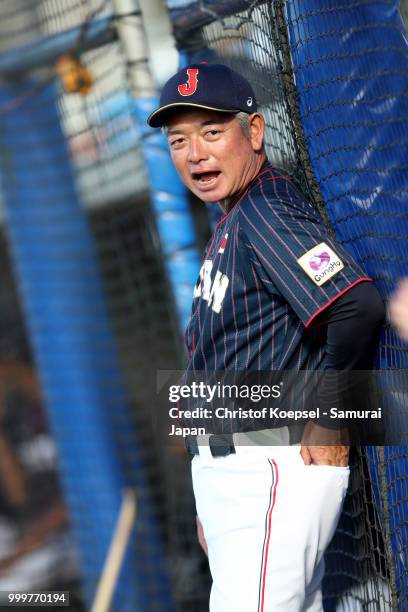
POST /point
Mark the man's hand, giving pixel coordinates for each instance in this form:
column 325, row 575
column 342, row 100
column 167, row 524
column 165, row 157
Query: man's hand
column 201, row 536
column 398, row 309
column 322, row 446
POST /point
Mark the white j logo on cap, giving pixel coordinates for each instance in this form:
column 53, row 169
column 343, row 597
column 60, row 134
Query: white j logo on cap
column 249, row 102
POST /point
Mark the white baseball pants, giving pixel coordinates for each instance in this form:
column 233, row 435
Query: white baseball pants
column 267, row 520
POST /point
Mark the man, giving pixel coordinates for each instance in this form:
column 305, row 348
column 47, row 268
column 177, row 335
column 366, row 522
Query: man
column 275, row 292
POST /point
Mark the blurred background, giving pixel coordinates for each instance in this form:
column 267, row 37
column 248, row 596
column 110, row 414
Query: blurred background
column 100, row 247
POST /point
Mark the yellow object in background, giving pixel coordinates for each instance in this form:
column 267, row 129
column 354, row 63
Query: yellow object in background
column 75, row 77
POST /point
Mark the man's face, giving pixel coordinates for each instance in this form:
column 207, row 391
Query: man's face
column 213, row 157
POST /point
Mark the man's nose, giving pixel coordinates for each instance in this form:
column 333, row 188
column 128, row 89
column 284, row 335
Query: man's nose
column 197, row 150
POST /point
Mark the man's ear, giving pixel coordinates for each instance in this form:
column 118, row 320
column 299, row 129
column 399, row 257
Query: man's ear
column 256, row 131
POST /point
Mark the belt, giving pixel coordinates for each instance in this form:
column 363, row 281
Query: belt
column 222, row 445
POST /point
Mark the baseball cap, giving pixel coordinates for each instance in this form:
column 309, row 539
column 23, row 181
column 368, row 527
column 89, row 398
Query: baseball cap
column 209, row 86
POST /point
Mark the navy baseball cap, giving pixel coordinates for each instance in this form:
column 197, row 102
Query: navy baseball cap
column 209, row 86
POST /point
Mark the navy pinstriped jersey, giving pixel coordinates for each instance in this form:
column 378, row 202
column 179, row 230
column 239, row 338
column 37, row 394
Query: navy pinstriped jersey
column 269, row 270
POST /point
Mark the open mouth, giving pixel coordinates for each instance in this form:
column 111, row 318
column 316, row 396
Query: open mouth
column 205, row 178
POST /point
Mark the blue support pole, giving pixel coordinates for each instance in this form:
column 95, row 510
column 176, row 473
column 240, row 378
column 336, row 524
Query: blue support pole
column 74, row 349
column 172, row 211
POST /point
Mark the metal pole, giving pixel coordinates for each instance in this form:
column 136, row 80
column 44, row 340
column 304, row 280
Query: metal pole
column 129, row 26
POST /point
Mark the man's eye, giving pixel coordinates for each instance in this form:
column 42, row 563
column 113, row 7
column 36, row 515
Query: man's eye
column 212, row 132
column 177, row 142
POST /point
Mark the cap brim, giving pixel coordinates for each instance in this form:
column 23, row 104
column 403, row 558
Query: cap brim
column 156, row 118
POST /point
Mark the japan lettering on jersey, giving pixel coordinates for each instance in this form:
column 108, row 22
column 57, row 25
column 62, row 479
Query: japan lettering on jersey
column 213, row 291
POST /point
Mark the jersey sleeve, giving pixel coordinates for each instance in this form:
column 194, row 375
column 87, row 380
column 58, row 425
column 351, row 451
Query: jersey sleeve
column 292, row 252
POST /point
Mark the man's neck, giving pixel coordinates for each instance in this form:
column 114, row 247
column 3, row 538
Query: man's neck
column 228, row 203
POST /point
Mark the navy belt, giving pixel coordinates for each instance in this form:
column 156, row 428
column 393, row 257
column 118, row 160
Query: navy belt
column 221, row 445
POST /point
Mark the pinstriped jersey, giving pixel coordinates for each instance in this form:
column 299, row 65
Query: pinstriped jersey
column 268, row 274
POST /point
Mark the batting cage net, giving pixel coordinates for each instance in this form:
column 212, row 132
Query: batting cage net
column 324, row 74
column 90, row 299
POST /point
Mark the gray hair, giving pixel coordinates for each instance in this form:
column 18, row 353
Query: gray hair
column 243, row 119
